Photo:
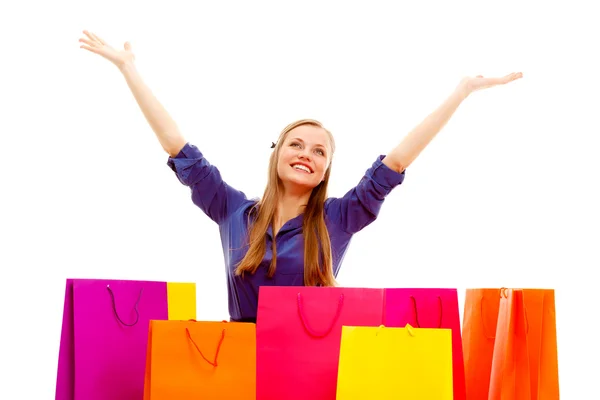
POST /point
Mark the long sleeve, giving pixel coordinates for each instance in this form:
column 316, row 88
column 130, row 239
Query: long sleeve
column 209, row 191
column 361, row 205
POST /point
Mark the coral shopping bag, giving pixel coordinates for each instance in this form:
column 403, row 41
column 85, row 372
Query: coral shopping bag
column 105, row 332
column 525, row 359
column 201, row 360
column 429, row 308
column 395, row 363
column 298, row 334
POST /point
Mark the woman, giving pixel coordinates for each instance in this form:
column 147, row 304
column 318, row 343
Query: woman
column 294, row 235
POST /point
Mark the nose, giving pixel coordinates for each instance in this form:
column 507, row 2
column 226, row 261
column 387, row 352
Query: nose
column 304, row 154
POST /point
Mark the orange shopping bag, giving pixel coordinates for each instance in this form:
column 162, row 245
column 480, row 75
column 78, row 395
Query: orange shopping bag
column 510, row 346
column 478, row 337
column 525, row 360
column 200, row 359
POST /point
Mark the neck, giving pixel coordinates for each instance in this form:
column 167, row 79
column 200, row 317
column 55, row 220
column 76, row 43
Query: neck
column 290, row 205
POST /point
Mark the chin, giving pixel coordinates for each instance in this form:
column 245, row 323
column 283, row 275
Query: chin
column 299, row 182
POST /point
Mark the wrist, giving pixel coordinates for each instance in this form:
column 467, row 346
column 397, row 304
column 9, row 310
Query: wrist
column 462, row 91
column 126, row 67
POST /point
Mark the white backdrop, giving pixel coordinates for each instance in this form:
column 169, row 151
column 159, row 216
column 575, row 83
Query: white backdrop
column 504, row 196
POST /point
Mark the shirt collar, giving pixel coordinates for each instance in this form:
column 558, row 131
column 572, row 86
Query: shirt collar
column 290, row 225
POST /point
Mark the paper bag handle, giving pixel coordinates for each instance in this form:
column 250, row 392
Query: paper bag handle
column 137, row 314
column 308, row 328
column 417, row 313
column 213, row 363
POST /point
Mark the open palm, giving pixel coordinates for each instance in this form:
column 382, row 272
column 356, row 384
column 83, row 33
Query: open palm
column 472, row 84
column 96, row 45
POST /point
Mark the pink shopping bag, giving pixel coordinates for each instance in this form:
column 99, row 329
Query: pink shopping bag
column 105, row 334
column 429, row 308
column 298, row 335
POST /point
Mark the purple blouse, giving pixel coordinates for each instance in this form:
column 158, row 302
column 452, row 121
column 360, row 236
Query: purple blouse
column 229, row 208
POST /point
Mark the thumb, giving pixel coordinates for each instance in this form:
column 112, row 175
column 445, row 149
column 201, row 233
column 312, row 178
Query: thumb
column 127, row 46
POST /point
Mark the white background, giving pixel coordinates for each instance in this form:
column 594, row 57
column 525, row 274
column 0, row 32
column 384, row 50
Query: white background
column 505, row 196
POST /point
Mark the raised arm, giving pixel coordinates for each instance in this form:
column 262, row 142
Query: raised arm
column 413, row 144
column 165, row 128
column 360, row 206
column 209, row 191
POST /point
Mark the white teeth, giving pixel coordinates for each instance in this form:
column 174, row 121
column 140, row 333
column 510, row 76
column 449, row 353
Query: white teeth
column 302, row 167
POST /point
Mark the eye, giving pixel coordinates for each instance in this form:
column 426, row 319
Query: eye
column 295, row 144
column 320, row 152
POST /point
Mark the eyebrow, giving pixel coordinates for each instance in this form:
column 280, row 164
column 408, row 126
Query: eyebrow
column 318, row 144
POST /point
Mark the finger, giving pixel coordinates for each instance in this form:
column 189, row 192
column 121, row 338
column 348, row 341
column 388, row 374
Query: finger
column 499, row 81
column 127, row 46
column 89, row 42
column 92, row 49
column 486, row 82
column 98, row 38
column 93, row 37
column 88, row 34
column 513, row 76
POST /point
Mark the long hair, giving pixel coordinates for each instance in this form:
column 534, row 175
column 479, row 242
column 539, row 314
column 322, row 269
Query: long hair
column 318, row 262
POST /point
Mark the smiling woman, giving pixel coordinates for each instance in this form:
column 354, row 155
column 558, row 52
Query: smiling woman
column 307, row 152
column 295, row 234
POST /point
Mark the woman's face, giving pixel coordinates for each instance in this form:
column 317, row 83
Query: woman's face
column 304, row 157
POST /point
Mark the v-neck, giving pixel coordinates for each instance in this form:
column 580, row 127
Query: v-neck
column 289, row 225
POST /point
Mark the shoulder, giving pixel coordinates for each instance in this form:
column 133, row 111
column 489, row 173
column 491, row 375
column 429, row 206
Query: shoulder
column 247, row 210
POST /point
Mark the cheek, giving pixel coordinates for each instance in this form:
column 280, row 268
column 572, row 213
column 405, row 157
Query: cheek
column 322, row 168
column 283, row 158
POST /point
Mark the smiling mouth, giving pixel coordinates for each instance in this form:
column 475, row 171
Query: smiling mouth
column 302, row 168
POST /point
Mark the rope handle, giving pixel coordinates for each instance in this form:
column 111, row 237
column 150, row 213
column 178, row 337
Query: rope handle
column 306, row 325
column 214, row 362
column 503, row 293
column 135, row 307
column 417, row 313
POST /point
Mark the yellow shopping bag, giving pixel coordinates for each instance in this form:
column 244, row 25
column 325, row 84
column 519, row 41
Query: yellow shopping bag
column 393, row 363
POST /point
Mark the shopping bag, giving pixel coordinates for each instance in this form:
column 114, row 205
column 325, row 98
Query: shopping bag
column 395, row 363
column 298, row 334
column 525, row 358
column 542, row 336
column 429, row 308
column 478, row 337
column 105, row 333
column 201, row 360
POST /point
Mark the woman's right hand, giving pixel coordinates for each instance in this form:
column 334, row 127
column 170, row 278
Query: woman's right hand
column 96, row 45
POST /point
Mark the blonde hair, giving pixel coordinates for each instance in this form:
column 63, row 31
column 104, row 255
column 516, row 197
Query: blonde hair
column 318, row 269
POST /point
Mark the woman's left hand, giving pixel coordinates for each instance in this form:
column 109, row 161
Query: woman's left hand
column 471, row 84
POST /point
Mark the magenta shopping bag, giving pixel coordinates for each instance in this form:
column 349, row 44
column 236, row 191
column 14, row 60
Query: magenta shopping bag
column 298, row 334
column 429, row 308
column 105, row 334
